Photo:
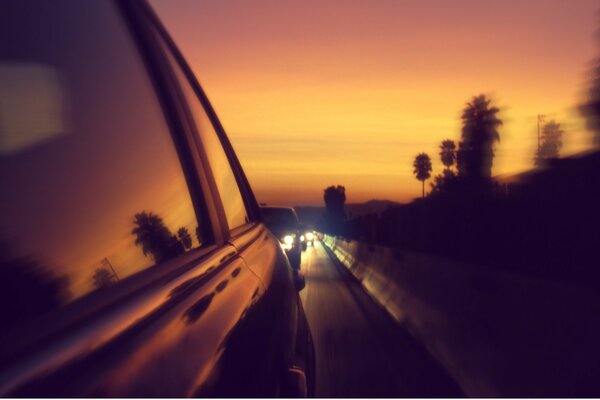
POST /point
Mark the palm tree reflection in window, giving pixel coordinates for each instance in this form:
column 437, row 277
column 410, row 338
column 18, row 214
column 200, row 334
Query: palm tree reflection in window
column 186, row 239
column 155, row 239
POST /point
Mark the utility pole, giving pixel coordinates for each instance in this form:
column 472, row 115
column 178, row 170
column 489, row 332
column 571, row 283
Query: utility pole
column 106, row 263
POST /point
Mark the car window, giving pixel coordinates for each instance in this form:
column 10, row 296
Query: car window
column 277, row 218
column 92, row 189
column 229, row 191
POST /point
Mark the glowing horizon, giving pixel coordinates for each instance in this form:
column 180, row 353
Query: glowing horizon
column 348, row 92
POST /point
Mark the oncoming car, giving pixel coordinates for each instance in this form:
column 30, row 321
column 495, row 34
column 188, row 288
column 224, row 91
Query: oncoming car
column 133, row 259
column 284, row 224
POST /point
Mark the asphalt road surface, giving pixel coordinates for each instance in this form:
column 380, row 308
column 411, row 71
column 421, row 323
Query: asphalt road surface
column 360, row 350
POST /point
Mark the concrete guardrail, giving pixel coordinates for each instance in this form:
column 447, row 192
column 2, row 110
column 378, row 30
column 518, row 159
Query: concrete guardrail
column 497, row 334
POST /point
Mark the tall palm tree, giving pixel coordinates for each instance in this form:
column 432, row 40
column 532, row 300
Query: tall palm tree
column 448, row 153
column 422, row 168
column 152, row 235
column 479, row 134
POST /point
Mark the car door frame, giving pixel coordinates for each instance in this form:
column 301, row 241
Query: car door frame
column 141, row 22
column 200, row 183
column 299, row 345
column 242, row 237
column 192, row 136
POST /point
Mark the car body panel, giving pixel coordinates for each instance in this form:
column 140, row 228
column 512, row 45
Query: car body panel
column 125, row 351
column 220, row 320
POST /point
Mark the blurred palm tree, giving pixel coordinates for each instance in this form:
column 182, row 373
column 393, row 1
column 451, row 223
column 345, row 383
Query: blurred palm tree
column 422, row 168
column 448, row 153
column 152, row 236
column 591, row 107
column 335, row 199
column 551, row 143
column 479, row 134
column 186, row 239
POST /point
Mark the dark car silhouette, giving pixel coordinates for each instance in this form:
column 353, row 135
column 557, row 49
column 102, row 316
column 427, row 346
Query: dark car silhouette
column 133, row 259
column 284, row 224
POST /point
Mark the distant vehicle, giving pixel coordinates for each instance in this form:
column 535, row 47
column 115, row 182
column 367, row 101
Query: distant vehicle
column 303, row 244
column 133, row 260
column 309, row 238
column 284, row 224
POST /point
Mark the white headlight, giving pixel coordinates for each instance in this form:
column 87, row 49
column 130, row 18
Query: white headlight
column 310, row 236
column 288, row 239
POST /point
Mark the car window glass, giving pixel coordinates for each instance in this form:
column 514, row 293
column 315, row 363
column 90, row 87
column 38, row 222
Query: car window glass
column 279, row 218
column 229, row 191
column 92, row 189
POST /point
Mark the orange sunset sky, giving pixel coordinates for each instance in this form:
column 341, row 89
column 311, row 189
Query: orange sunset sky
column 314, row 93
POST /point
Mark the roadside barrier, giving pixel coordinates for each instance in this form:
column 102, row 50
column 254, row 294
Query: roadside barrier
column 498, row 334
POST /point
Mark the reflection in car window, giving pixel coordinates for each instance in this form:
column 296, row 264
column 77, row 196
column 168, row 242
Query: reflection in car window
column 229, row 191
column 92, row 187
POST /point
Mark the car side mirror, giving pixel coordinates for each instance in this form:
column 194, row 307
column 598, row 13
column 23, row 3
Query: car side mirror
column 299, row 281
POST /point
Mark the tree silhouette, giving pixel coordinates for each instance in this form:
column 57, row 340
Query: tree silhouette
column 479, row 134
column 28, row 288
column 551, row 142
column 154, row 237
column 444, row 182
column 448, row 153
column 103, row 278
column 591, row 107
column 186, row 239
column 335, row 198
column 422, row 168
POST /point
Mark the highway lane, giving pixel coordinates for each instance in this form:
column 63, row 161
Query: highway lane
column 360, row 350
